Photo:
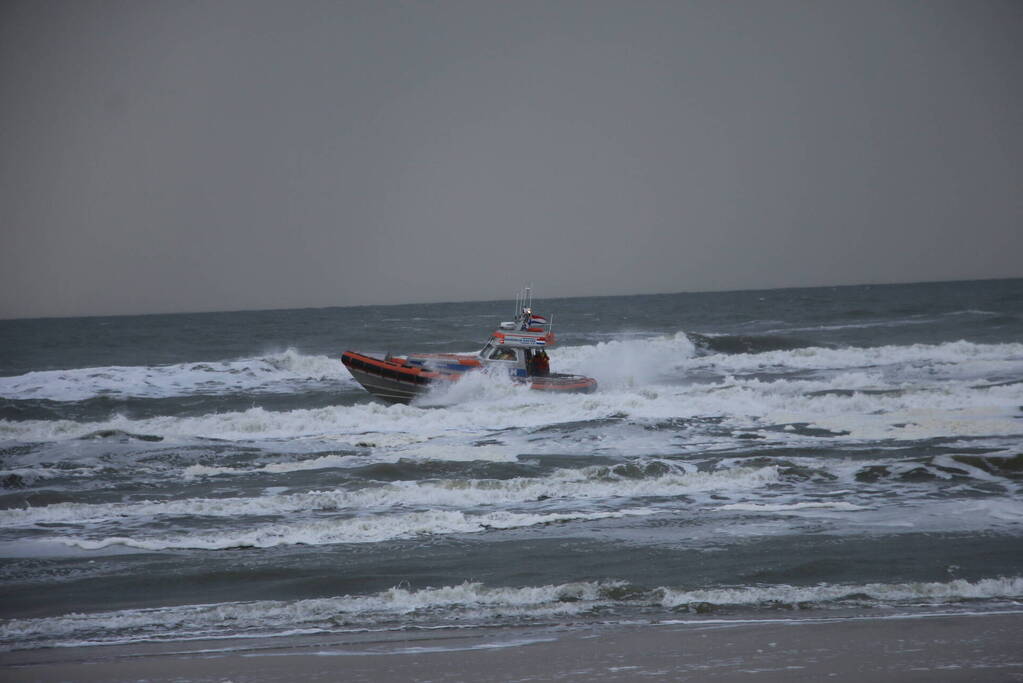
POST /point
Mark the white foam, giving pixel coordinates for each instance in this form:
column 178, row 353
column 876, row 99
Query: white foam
column 627, row 363
column 488, row 385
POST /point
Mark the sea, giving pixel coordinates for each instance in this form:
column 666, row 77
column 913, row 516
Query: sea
column 788, row 454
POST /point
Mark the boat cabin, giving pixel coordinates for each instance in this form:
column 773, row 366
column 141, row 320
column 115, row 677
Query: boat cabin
column 520, row 346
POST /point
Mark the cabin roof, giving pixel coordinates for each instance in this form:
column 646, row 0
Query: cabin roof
column 526, row 339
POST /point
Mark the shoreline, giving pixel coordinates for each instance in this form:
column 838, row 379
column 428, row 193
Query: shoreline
column 946, row 647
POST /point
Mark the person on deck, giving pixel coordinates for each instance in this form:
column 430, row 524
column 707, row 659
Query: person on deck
column 541, row 364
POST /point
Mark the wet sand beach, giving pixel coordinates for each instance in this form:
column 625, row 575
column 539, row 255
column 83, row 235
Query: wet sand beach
column 940, row 647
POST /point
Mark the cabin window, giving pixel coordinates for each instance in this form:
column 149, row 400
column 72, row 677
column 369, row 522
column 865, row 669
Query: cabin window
column 502, row 354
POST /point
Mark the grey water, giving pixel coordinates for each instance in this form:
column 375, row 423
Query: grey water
column 797, row 451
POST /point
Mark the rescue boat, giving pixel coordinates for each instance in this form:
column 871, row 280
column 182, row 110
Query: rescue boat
column 518, row 347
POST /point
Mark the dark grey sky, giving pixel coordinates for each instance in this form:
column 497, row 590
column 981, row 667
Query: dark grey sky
column 181, row 156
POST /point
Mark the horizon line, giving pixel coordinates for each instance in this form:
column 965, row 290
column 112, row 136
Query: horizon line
column 4, row 319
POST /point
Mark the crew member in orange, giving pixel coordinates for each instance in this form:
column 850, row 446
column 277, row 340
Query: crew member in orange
column 541, row 364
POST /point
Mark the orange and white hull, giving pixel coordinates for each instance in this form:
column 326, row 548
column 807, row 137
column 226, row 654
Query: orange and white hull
column 399, row 380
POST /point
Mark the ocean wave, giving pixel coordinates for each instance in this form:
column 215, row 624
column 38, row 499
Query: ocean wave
column 650, row 363
column 791, row 507
column 473, row 603
column 971, row 311
column 414, row 455
column 586, row 484
column 363, row 529
column 951, row 354
column 748, row 343
column 25, row 476
column 849, row 326
column 310, row 616
column 286, row 371
column 871, row 593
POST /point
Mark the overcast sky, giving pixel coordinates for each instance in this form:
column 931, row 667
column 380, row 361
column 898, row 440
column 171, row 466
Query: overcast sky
column 183, row 156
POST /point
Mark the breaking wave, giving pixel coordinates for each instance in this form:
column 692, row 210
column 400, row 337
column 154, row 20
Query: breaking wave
column 470, row 603
column 932, row 593
column 286, row 371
